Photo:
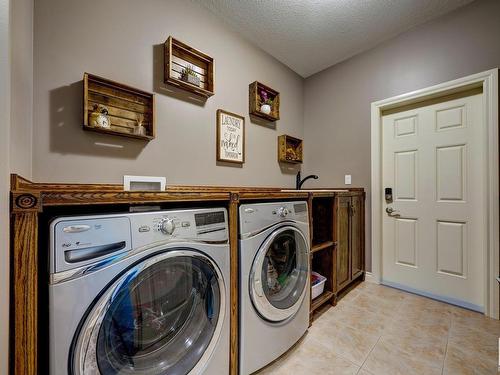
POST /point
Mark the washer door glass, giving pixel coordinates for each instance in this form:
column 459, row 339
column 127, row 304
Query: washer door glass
column 160, row 318
column 280, row 274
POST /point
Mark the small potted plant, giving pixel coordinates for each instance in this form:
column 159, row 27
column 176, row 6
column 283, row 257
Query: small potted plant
column 188, row 75
column 265, row 102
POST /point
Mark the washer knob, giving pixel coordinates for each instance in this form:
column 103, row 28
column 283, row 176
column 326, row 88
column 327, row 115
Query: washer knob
column 166, row 226
column 282, row 211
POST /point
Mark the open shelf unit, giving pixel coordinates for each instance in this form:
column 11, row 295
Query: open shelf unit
column 321, row 300
column 290, row 149
column 178, row 57
column 255, row 101
column 322, row 248
column 126, row 106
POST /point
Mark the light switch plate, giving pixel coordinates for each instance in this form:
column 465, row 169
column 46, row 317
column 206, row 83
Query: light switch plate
column 347, row 179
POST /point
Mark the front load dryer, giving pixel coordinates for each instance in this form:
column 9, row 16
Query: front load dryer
column 140, row 293
column 274, row 281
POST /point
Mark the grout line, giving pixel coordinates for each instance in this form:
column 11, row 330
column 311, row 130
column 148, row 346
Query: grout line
column 447, row 341
column 371, row 350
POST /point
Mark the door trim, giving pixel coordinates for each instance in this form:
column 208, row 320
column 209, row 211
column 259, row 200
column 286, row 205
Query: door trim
column 488, row 80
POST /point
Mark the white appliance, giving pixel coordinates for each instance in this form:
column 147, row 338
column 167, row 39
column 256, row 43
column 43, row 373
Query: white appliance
column 140, row 293
column 274, row 281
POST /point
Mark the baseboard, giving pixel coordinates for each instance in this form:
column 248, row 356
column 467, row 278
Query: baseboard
column 370, row 278
column 449, row 300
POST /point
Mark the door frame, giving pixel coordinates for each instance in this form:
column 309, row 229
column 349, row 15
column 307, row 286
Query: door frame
column 488, row 80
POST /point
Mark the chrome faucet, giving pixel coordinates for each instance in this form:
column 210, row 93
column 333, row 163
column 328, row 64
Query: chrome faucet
column 299, row 182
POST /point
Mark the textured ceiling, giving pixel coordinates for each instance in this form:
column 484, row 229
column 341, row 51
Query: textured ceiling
column 311, row 35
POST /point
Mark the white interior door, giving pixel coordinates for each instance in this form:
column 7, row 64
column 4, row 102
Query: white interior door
column 434, row 159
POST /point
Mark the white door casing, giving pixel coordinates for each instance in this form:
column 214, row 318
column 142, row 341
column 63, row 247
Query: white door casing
column 450, row 230
column 434, row 161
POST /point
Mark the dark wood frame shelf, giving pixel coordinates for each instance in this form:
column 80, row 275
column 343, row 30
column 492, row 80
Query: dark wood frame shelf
column 254, row 101
column 322, row 246
column 322, row 220
column 286, row 142
column 179, row 55
column 321, row 300
column 124, row 103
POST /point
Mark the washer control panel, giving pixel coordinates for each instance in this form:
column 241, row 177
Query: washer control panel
column 166, row 225
column 180, row 225
column 82, row 240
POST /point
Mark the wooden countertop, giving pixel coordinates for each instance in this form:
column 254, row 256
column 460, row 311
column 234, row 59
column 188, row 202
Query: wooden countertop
column 33, row 195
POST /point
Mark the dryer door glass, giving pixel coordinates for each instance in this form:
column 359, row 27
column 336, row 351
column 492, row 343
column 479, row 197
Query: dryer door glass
column 285, row 269
column 280, row 275
column 160, row 318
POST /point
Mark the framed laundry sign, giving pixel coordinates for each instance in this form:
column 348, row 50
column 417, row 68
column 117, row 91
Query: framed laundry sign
column 230, row 137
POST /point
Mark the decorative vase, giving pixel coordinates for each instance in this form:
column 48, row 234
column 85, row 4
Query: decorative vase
column 192, row 79
column 265, row 108
column 99, row 117
column 140, row 130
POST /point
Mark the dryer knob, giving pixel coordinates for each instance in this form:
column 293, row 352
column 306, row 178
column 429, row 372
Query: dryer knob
column 283, row 211
column 167, row 226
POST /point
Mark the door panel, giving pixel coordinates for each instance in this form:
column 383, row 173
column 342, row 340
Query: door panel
column 452, row 248
column 343, row 261
column 451, row 177
column 405, row 175
column 406, row 241
column 356, row 236
column 434, row 159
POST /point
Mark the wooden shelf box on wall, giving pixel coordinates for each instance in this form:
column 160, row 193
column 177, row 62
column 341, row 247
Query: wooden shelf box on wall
column 289, row 149
column 256, row 101
column 127, row 108
column 180, row 58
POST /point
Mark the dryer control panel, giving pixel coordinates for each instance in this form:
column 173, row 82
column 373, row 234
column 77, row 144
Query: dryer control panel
column 255, row 217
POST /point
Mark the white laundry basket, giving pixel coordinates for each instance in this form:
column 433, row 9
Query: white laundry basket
column 318, row 288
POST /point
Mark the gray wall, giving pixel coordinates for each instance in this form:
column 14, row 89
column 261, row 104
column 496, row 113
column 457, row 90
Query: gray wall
column 337, row 100
column 122, row 40
column 4, row 182
column 21, row 129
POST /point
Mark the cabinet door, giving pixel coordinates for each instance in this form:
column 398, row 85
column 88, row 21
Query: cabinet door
column 342, row 238
column 357, row 253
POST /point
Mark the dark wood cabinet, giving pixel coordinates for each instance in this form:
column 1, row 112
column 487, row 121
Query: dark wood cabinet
column 349, row 239
column 342, row 233
column 357, row 236
column 337, row 242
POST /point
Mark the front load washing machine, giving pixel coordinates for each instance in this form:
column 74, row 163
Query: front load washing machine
column 140, row 293
column 274, row 281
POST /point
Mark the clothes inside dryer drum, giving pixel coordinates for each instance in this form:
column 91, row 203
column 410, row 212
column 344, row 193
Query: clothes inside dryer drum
column 285, row 270
column 161, row 320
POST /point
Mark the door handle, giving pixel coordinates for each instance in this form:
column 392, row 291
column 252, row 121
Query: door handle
column 392, row 212
column 80, row 255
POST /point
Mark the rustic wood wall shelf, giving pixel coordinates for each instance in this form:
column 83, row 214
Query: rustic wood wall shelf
column 290, row 149
column 178, row 57
column 255, row 101
column 126, row 105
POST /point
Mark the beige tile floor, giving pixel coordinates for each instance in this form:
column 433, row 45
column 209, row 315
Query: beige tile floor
column 377, row 330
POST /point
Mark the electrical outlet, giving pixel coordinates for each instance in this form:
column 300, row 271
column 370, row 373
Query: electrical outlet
column 347, row 179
